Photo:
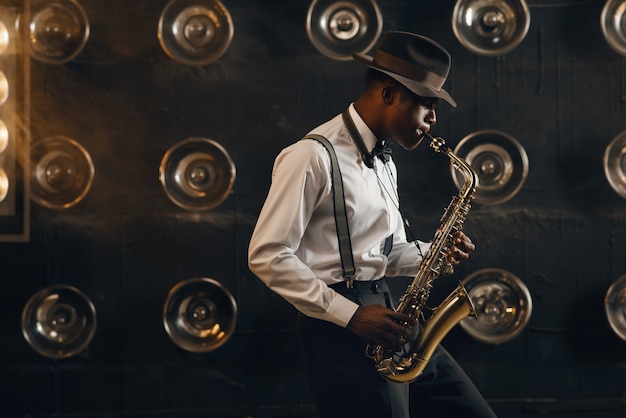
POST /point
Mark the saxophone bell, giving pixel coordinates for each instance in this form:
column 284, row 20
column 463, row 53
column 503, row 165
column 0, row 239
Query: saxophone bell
column 406, row 367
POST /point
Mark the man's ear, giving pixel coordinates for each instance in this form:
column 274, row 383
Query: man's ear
column 388, row 94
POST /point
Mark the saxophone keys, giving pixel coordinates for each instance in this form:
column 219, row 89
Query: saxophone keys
column 387, row 367
column 374, row 350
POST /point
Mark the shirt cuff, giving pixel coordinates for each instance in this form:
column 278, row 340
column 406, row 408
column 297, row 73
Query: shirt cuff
column 341, row 311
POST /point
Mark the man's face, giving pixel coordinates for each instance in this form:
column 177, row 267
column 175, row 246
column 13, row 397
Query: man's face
column 411, row 116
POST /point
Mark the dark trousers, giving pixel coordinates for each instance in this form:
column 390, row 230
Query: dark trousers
column 345, row 383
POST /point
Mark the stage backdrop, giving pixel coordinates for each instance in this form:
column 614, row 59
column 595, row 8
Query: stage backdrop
column 560, row 93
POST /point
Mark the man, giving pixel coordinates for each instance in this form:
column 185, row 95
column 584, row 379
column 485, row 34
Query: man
column 295, row 247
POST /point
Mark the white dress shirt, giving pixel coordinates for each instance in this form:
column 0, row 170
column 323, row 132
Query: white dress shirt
column 294, row 248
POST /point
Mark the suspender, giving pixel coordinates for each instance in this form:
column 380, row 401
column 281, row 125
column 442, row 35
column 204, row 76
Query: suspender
column 341, row 216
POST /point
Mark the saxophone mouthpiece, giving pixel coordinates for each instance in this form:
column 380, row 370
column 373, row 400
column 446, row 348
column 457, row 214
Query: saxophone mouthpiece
column 437, row 143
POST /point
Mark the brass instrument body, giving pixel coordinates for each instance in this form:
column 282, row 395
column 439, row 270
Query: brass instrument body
column 406, row 367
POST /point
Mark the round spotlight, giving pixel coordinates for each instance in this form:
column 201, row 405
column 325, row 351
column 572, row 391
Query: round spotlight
column 502, row 303
column 59, row 30
column 500, row 162
column 4, row 136
column 197, row 174
column 4, row 38
column 615, row 306
column 59, row 321
column 195, row 32
column 4, row 88
column 339, row 28
column 62, row 172
column 490, row 27
column 614, row 162
column 4, row 185
column 199, row 314
column 613, row 24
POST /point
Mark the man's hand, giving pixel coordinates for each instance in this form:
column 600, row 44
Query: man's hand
column 382, row 325
column 461, row 250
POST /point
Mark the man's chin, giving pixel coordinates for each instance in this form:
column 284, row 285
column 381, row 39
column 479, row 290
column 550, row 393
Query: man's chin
column 418, row 141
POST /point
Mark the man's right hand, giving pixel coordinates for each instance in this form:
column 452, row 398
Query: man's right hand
column 381, row 325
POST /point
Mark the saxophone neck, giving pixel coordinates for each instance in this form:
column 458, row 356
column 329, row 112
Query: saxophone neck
column 471, row 177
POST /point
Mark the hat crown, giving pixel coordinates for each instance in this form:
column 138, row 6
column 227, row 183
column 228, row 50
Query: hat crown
column 416, row 50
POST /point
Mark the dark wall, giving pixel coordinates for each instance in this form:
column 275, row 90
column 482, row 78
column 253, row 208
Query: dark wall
column 561, row 93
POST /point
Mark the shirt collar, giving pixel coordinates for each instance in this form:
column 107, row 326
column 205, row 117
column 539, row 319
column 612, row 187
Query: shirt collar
column 366, row 133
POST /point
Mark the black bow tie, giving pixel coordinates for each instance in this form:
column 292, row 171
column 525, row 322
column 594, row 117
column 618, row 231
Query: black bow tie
column 382, row 151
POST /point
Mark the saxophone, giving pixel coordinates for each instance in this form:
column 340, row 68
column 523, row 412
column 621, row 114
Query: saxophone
column 405, row 367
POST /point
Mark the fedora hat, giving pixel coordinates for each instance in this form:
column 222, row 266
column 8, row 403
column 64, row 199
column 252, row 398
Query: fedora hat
column 419, row 63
